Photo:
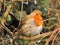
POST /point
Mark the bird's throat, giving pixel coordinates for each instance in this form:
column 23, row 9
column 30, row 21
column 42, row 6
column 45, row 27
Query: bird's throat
column 37, row 20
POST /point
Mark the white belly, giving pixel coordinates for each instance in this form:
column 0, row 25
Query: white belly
column 29, row 29
column 36, row 30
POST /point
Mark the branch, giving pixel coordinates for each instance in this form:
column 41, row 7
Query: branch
column 22, row 0
column 3, row 18
column 48, row 40
column 33, row 37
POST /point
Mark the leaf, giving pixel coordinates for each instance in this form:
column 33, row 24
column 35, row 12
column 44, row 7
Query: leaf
column 46, row 1
column 7, row 3
column 0, row 18
column 8, row 18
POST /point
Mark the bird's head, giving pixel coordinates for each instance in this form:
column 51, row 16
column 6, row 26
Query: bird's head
column 37, row 16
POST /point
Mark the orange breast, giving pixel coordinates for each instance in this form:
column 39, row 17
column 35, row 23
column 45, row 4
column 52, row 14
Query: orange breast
column 38, row 20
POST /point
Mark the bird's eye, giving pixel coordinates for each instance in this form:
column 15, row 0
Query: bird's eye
column 36, row 14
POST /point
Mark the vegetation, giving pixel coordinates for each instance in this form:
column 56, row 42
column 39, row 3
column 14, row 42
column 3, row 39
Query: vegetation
column 11, row 13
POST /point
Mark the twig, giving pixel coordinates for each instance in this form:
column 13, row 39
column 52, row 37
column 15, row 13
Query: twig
column 3, row 18
column 49, row 19
column 33, row 37
column 53, row 9
column 48, row 40
column 55, row 37
column 21, row 0
column 14, row 16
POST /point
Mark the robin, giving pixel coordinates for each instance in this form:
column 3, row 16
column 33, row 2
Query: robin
column 32, row 24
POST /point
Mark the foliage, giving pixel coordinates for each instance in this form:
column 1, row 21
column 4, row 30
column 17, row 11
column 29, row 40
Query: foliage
column 15, row 10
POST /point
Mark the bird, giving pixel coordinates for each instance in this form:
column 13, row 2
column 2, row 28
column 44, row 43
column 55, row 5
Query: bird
column 32, row 24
